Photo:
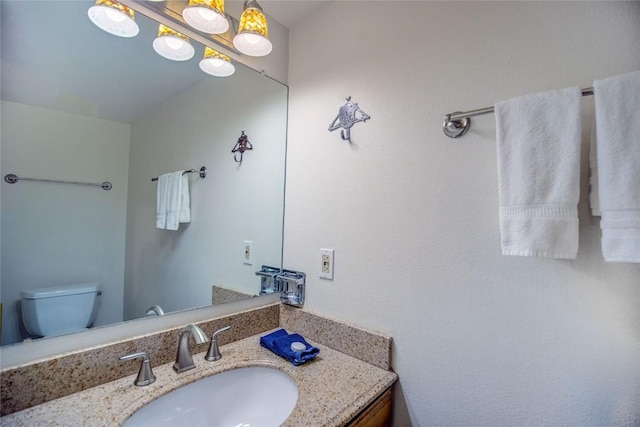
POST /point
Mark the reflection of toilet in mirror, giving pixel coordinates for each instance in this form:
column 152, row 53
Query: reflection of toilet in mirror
column 58, row 310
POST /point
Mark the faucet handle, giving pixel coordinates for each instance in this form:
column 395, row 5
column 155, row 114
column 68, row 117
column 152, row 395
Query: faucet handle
column 214, row 352
column 145, row 374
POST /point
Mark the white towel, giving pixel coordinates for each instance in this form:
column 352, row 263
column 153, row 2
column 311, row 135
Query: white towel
column 185, row 200
column 594, row 193
column 162, row 192
column 539, row 173
column 617, row 102
column 173, row 202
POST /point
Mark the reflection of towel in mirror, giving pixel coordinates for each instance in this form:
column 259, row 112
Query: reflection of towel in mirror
column 185, row 201
column 172, row 200
column 161, row 201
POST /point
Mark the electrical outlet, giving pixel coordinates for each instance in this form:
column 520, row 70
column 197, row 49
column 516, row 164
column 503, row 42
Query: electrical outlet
column 326, row 263
column 247, row 254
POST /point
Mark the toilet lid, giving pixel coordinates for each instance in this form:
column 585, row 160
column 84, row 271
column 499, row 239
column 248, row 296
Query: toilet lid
column 59, row 291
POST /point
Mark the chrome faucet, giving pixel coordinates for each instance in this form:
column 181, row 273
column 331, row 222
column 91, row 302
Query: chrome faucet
column 145, row 374
column 214, row 352
column 184, row 358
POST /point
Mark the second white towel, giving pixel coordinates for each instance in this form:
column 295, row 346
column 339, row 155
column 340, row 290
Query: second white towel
column 617, row 102
column 539, row 173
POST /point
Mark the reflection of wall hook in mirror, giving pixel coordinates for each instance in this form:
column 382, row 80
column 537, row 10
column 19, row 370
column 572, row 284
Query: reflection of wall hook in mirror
column 241, row 146
column 348, row 115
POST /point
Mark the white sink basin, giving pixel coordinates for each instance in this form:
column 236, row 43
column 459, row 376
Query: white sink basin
column 245, row 397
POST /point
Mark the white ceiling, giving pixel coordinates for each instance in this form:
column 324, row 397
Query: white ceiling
column 290, row 12
column 80, row 69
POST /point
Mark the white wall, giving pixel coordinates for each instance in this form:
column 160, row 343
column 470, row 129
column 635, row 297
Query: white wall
column 235, row 202
column 480, row 339
column 52, row 233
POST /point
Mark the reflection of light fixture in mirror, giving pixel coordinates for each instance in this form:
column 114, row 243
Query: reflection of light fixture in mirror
column 172, row 45
column 206, row 16
column 114, row 18
column 216, row 63
column 253, row 36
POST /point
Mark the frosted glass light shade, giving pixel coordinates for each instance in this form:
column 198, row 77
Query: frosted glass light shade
column 253, row 35
column 206, row 16
column 172, row 44
column 216, row 63
column 114, row 18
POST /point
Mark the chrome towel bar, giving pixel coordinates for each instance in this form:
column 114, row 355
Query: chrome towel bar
column 12, row 179
column 202, row 172
column 457, row 123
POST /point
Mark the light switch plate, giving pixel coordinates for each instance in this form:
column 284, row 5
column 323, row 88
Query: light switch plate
column 247, row 252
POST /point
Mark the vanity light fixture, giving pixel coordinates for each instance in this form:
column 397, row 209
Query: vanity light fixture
column 172, row 44
column 114, row 18
column 216, row 63
column 253, row 35
column 206, row 16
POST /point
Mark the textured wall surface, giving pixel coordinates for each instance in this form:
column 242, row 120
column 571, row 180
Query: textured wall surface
column 479, row 338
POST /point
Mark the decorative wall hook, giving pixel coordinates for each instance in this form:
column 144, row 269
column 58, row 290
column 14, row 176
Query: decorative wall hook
column 348, row 115
column 241, row 146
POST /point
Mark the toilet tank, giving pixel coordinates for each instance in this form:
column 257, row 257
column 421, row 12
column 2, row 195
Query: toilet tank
column 57, row 310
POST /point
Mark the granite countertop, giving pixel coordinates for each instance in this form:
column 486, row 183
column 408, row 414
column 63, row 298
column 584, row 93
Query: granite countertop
column 332, row 389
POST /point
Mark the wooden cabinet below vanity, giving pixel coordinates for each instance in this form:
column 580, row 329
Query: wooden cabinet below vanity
column 377, row 414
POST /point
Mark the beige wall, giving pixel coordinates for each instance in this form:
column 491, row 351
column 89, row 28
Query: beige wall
column 480, row 339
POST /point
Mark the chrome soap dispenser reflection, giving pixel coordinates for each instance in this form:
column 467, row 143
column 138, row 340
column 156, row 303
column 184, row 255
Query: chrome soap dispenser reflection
column 268, row 283
column 290, row 284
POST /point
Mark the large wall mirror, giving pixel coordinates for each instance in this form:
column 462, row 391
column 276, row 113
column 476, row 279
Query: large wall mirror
column 79, row 104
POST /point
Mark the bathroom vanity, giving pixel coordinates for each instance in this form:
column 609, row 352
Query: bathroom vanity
column 377, row 414
column 335, row 389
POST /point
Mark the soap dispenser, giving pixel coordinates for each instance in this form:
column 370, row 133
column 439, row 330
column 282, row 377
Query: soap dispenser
column 292, row 284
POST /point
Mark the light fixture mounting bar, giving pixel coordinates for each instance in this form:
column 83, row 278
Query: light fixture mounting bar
column 170, row 14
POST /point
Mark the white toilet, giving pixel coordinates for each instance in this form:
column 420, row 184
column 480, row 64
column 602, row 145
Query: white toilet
column 57, row 310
